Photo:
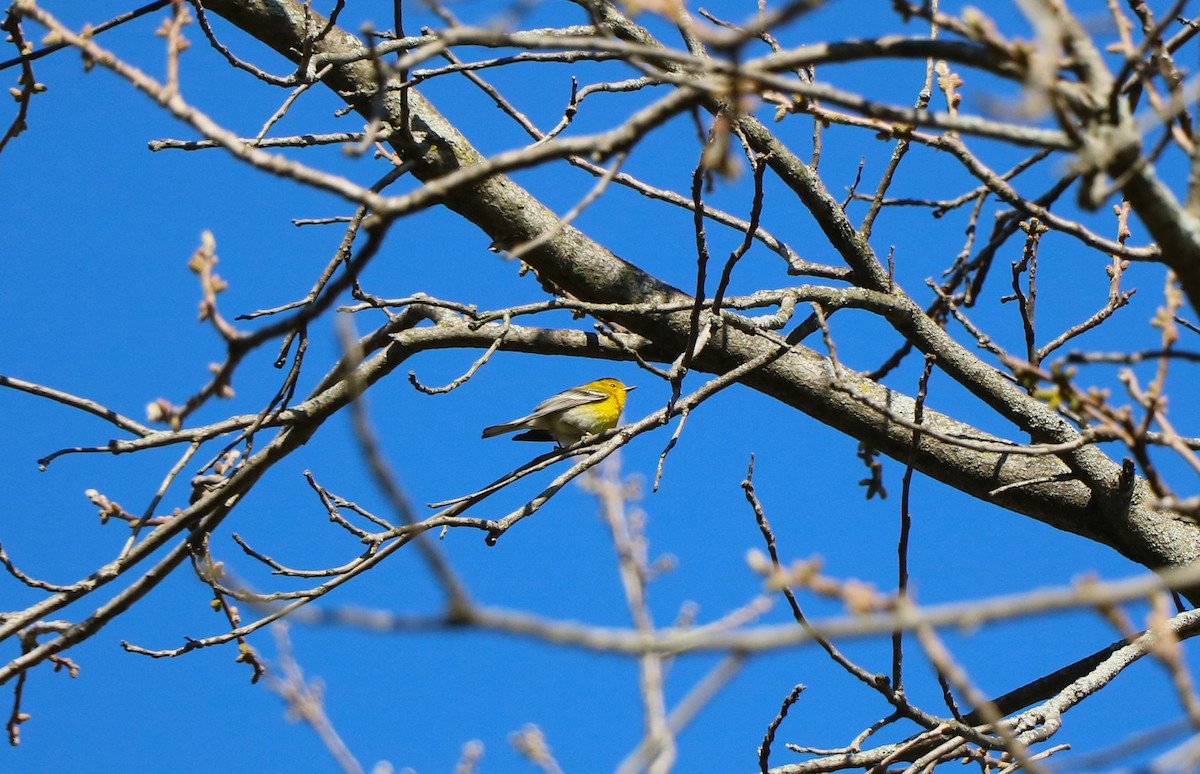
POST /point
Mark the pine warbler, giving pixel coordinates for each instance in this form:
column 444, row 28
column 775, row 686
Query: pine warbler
column 570, row 415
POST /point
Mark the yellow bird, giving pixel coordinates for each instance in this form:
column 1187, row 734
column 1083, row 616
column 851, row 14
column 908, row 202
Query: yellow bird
column 571, row 414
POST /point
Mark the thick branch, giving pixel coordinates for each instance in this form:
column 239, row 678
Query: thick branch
column 1101, row 510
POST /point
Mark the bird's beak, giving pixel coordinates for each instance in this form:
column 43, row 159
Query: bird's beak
column 630, row 389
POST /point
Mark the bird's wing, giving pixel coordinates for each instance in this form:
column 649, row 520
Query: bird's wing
column 567, row 399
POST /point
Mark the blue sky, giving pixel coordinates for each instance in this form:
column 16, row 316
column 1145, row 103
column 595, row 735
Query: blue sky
column 97, row 300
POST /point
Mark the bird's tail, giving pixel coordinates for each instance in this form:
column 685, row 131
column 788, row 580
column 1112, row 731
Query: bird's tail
column 507, row 427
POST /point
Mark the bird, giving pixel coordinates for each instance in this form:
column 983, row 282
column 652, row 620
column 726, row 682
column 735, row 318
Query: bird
column 570, row 415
